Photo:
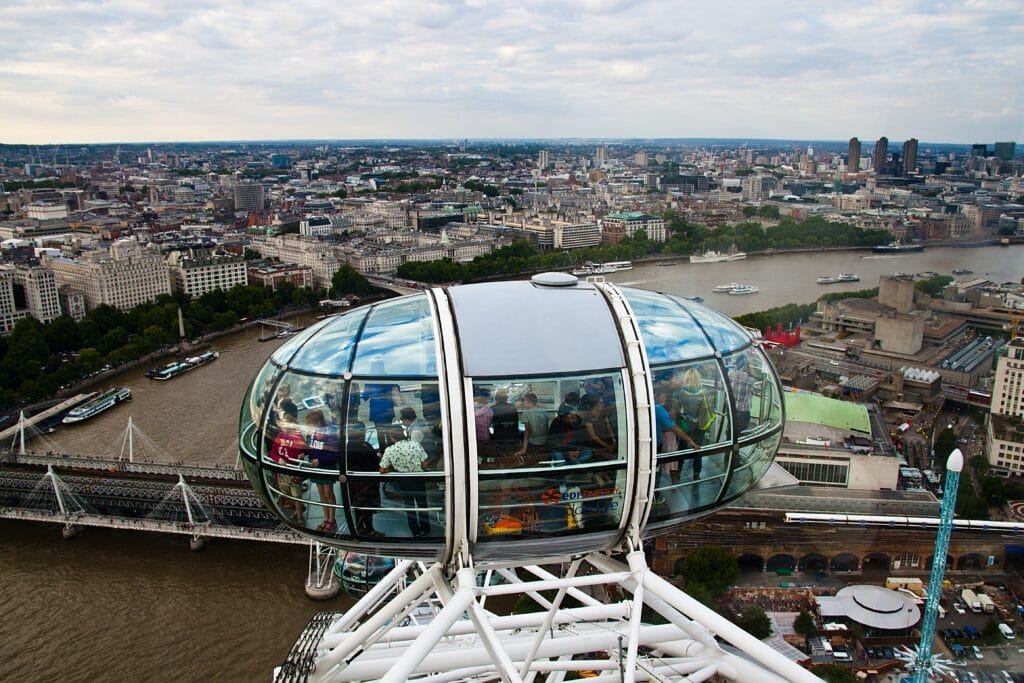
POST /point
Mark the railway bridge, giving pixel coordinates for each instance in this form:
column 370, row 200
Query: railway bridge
column 765, row 541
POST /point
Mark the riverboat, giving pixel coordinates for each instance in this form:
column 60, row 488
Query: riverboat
column 181, row 367
column 927, row 274
column 712, row 256
column 725, row 289
column 827, row 279
column 849, row 277
column 739, row 290
column 590, row 268
column 108, row 399
column 962, row 271
column 897, row 248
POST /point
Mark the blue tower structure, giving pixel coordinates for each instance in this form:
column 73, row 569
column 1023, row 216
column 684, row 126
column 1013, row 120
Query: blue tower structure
column 923, row 664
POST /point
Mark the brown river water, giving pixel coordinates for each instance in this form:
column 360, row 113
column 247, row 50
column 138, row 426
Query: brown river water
column 122, row 606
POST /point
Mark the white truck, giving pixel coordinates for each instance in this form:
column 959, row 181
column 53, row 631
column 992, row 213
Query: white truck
column 987, row 606
column 970, row 599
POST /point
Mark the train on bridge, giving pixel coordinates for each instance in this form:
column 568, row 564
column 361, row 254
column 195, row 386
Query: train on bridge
column 901, row 521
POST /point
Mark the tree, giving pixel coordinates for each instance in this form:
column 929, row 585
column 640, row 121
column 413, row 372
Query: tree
column 945, row 442
column 804, row 624
column 835, row 673
column 348, row 280
column 710, row 565
column 749, row 211
column 769, row 211
column 755, row 622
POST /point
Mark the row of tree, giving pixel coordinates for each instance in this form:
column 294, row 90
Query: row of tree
column 794, row 314
column 37, row 359
column 685, row 238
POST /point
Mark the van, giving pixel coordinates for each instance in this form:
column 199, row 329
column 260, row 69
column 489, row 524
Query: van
column 1006, row 631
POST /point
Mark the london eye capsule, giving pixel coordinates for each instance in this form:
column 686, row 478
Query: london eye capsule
column 518, row 421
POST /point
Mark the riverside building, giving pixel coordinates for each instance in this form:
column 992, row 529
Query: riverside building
column 197, row 272
column 123, row 278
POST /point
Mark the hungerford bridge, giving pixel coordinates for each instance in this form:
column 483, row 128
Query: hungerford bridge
column 130, row 493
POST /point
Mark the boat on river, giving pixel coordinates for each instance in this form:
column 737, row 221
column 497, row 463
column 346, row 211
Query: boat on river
column 962, row 271
column 725, row 289
column 897, row 247
column 590, row 268
column 93, row 407
column 827, row 279
column 174, row 369
column 712, row 256
column 740, row 290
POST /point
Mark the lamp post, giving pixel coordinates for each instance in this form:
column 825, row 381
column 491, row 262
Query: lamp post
column 923, row 663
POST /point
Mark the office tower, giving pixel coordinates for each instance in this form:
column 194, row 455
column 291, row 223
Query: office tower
column 881, row 155
column 910, row 155
column 1005, row 150
column 123, row 278
column 853, row 156
column 600, row 155
column 543, row 159
column 979, row 150
column 640, row 159
column 248, row 197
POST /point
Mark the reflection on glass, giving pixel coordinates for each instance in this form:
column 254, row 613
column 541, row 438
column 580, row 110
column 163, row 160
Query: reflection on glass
column 253, row 406
column 407, row 502
column 283, row 353
column 751, row 463
column 398, row 340
column 668, row 332
column 332, row 352
column 691, row 407
column 307, row 409
column 723, row 332
column 758, row 403
column 681, row 487
column 547, row 502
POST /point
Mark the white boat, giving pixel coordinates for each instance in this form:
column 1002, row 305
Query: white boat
column 175, row 369
column 849, row 277
column 827, row 279
column 725, row 289
column 590, row 268
column 744, row 289
column 108, row 399
column 712, row 256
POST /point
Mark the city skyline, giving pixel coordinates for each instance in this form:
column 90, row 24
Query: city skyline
column 128, row 72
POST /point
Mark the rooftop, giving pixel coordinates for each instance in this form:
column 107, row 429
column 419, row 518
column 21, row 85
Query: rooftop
column 817, row 409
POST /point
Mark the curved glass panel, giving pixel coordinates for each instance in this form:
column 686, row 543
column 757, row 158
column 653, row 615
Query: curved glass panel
column 757, row 400
column 332, row 351
column 253, row 405
column 398, row 340
column 669, row 333
column 685, row 484
column 691, row 407
column 541, row 442
column 726, row 334
column 284, row 352
column 751, row 463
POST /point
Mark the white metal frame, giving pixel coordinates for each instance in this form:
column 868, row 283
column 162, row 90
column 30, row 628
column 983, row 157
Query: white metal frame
column 375, row 640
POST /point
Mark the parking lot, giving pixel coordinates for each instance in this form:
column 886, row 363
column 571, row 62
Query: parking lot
column 1007, row 655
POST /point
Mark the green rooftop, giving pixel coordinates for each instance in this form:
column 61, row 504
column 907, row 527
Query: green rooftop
column 816, row 409
column 631, row 216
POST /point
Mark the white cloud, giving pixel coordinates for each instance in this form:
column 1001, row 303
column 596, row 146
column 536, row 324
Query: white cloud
column 200, row 69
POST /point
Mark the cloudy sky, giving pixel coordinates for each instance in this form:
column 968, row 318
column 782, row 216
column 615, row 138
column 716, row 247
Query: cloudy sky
column 150, row 70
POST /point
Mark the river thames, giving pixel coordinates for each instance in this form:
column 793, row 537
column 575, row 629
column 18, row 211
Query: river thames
column 111, row 606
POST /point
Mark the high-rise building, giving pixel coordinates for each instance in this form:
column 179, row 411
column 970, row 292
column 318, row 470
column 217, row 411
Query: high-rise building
column 9, row 313
column 38, row 287
column 880, row 158
column 249, row 197
column 910, row 155
column 1005, row 435
column 979, row 150
column 853, row 156
column 640, row 159
column 543, row 159
column 600, row 155
column 1005, row 150
column 123, row 278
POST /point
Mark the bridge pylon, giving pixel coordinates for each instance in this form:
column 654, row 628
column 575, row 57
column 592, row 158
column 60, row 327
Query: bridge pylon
column 198, row 541
column 64, row 503
column 321, row 583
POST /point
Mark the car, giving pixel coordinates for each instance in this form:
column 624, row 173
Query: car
column 959, row 609
column 977, row 652
column 1002, row 654
column 956, row 633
